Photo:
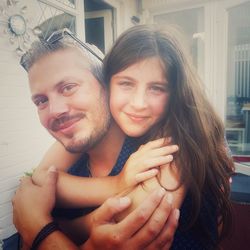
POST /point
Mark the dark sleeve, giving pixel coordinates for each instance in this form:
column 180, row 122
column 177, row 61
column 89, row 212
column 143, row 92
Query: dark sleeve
column 77, row 169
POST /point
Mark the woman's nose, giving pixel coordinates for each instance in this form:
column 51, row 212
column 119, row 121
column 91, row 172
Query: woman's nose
column 138, row 100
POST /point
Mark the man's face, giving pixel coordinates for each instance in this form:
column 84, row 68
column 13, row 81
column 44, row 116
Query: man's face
column 71, row 103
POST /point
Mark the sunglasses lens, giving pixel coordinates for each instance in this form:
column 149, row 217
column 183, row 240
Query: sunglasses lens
column 57, row 36
column 54, row 37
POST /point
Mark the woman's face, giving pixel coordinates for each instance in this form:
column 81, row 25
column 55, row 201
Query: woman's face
column 139, row 96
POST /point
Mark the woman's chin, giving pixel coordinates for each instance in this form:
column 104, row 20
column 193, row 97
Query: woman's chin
column 134, row 131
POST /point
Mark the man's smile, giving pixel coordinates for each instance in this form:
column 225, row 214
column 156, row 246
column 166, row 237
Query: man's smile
column 65, row 124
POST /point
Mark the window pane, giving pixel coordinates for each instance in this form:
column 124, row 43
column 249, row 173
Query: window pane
column 238, row 82
column 69, row 3
column 193, row 29
column 51, row 19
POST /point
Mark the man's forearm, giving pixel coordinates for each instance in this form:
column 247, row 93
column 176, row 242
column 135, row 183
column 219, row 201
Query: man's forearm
column 78, row 229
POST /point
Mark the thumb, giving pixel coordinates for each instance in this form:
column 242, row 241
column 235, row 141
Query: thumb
column 51, row 179
column 110, row 208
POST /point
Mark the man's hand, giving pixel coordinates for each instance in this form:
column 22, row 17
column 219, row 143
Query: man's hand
column 32, row 205
column 150, row 226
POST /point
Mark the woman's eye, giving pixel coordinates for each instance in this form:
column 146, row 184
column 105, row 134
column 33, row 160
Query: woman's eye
column 125, row 84
column 158, row 89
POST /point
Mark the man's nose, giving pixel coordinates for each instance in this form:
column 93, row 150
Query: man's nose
column 57, row 107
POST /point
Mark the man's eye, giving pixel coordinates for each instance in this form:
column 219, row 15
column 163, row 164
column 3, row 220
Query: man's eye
column 67, row 89
column 41, row 102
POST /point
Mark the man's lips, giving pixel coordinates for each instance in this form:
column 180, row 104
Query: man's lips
column 63, row 124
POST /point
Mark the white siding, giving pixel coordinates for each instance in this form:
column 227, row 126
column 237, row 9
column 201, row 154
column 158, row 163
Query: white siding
column 22, row 140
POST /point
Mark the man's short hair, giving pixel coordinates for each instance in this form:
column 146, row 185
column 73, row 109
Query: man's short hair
column 41, row 48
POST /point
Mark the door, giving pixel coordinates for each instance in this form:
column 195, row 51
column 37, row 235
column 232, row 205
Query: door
column 99, row 29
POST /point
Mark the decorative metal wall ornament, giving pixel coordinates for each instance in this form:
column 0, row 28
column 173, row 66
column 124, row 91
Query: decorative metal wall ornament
column 16, row 25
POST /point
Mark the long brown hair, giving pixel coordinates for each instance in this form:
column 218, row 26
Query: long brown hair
column 203, row 158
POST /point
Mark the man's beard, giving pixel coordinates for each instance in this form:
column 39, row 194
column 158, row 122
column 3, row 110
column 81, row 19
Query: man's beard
column 81, row 145
column 86, row 144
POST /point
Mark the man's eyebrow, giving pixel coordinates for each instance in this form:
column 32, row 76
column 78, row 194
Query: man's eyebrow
column 56, row 86
column 33, row 97
column 66, row 80
column 60, row 83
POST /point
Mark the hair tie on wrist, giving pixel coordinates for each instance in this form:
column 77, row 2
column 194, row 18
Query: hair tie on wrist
column 44, row 232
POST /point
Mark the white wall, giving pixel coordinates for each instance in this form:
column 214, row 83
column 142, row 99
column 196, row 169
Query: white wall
column 124, row 10
column 22, row 140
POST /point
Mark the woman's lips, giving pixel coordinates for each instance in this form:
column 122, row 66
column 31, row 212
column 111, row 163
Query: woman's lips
column 136, row 118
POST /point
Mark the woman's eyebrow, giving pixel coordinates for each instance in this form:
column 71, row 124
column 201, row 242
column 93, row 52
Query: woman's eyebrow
column 123, row 77
column 162, row 82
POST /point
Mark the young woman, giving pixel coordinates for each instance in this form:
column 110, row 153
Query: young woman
column 155, row 93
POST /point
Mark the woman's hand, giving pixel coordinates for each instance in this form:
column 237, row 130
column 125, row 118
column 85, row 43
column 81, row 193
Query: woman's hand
column 144, row 163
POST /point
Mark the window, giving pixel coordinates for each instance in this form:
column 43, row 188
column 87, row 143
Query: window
column 193, row 30
column 238, row 82
column 69, row 3
column 52, row 19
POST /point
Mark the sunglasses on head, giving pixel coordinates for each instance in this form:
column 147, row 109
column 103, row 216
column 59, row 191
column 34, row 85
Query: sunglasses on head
column 58, row 35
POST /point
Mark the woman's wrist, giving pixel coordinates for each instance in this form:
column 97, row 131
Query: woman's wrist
column 119, row 183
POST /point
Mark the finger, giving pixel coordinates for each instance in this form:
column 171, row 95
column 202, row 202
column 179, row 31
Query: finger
column 140, row 177
column 172, row 167
column 166, row 150
column 158, row 143
column 156, row 223
column 165, row 238
column 135, row 220
column 50, row 184
column 152, row 161
column 25, row 180
column 52, row 176
column 156, row 162
column 155, row 144
column 110, row 208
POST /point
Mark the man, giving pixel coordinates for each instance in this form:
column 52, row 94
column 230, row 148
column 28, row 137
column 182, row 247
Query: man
column 66, row 86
